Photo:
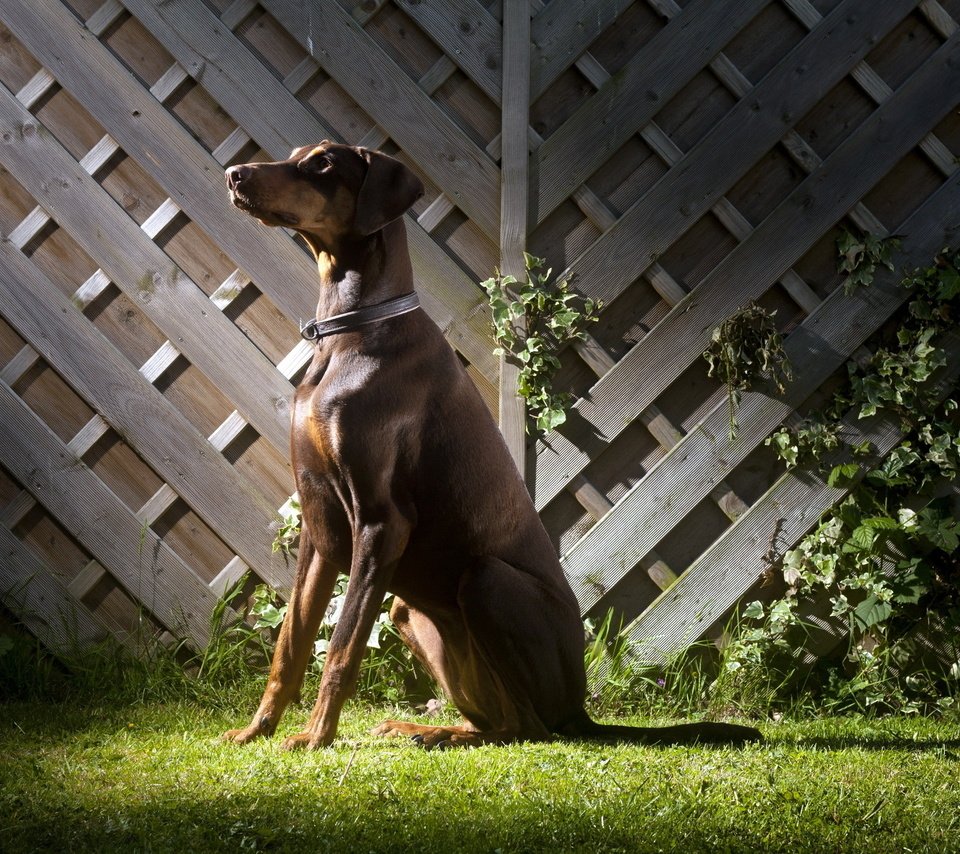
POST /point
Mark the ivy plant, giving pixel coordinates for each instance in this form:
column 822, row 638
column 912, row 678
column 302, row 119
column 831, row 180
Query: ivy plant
column 532, row 320
column 743, row 349
column 860, row 255
column 887, row 554
column 288, row 527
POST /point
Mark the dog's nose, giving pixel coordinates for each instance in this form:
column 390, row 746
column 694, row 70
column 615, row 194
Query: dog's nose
column 236, row 175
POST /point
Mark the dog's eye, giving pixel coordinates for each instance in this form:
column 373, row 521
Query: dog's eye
column 315, row 165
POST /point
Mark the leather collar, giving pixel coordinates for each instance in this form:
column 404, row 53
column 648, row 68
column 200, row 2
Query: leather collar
column 350, row 320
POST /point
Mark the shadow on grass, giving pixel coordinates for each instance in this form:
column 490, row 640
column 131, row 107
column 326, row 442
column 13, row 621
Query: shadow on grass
column 260, row 821
column 878, row 743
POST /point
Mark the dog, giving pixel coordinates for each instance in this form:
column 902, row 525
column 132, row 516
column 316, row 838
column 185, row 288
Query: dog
column 406, row 486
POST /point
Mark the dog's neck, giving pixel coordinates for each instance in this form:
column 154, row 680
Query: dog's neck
column 359, row 272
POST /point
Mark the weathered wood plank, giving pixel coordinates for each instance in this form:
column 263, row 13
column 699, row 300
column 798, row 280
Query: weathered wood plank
column 139, row 560
column 814, row 205
column 513, row 200
column 84, row 581
column 158, row 142
column 733, row 564
column 228, row 576
column 166, row 440
column 32, row 592
column 136, row 265
column 723, row 155
column 561, row 32
column 670, row 491
column 228, row 69
column 725, row 212
column 941, row 20
column 630, row 100
column 468, row 34
column 416, row 124
column 876, row 87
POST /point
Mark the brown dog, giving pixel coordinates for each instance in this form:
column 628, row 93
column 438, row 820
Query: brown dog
column 406, row 486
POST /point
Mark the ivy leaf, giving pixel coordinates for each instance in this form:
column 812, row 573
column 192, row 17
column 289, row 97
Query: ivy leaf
column 949, row 283
column 940, row 530
column 841, row 476
column 550, row 419
column 910, row 581
column 551, row 318
column 872, row 611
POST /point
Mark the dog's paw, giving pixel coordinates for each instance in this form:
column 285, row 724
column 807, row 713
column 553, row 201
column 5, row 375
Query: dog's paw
column 241, row 736
column 394, row 729
column 305, row 741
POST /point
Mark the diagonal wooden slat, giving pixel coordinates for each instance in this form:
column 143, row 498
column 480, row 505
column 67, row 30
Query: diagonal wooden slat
column 816, row 203
column 671, row 490
column 32, row 592
column 874, row 85
column 159, row 143
column 130, row 259
column 419, row 127
column 469, row 35
column 733, row 145
column 630, row 100
column 133, row 407
column 147, row 567
column 213, row 56
column 561, row 32
column 595, row 209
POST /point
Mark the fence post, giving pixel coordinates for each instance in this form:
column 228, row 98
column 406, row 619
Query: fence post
column 513, row 198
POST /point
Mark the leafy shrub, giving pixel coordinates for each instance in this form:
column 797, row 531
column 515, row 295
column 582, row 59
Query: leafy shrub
column 886, row 555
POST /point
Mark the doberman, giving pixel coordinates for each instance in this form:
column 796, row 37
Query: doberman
column 406, row 486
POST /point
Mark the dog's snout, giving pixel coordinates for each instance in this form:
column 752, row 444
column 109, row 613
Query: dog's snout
column 236, row 175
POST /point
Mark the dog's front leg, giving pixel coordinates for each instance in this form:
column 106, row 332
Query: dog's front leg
column 312, row 589
column 376, row 550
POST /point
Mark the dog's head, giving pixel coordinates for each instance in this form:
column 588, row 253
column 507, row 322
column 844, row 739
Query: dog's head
column 328, row 191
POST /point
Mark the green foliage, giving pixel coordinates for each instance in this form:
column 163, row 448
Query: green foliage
column 288, row 528
column 532, row 321
column 887, row 554
column 267, row 607
column 860, row 255
column 743, row 349
column 388, row 671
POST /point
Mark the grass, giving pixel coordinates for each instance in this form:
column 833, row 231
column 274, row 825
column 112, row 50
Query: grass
column 152, row 776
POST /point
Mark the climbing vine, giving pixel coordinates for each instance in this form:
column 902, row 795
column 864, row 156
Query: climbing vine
column 886, row 555
column 860, row 255
column 287, row 527
column 532, row 320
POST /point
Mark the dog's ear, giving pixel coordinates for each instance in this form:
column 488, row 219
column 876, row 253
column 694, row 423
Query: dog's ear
column 388, row 189
column 304, row 149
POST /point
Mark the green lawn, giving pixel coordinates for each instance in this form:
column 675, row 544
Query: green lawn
column 155, row 778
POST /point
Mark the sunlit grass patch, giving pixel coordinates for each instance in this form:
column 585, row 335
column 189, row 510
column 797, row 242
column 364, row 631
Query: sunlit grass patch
column 155, row 778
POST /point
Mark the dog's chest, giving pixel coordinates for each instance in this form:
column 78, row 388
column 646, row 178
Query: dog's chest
column 316, row 437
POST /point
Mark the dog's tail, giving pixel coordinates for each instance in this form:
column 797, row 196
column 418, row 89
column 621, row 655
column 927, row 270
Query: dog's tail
column 704, row 732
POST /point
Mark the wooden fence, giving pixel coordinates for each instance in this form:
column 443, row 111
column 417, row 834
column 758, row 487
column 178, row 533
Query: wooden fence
column 678, row 160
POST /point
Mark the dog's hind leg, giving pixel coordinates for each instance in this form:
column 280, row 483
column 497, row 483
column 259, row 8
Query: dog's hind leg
column 442, row 645
column 311, row 594
column 511, row 658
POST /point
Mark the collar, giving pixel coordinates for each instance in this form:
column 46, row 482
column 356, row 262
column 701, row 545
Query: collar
column 350, row 320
